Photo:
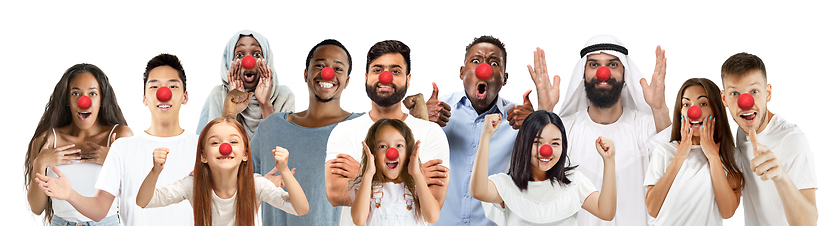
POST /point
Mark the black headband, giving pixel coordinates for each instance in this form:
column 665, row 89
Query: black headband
column 603, row 46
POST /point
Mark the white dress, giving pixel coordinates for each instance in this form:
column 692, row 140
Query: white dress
column 543, row 203
column 393, row 200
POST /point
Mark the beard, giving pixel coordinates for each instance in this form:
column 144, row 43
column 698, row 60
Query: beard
column 385, row 101
column 603, row 98
column 322, row 100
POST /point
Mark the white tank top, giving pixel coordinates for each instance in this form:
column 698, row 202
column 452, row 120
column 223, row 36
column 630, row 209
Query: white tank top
column 82, row 178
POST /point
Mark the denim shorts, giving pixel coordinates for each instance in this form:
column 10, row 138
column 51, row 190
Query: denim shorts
column 108, row 221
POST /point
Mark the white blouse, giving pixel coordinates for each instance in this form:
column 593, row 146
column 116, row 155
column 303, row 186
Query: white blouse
column 543, row 203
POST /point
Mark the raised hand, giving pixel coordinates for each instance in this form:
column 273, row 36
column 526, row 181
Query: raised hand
column 414, row 163
column 63, row 155
column 438, row 111
column 548, row 93
column 277, row 179
column 417, row 110
column 765, row 164
column 655, row 92
column 281, row 158
column 235, row 102
column 606, row 148
column 98, row 154
column 263, row 89
column 235, row 75
column 492, row 122
column 56, row 187
column 518, row 113
column 707, row 139
column 159, row 157
column 684, row 145
column 371, row 164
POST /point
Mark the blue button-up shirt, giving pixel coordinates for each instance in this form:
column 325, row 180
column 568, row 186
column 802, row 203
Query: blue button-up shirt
column 464, row 132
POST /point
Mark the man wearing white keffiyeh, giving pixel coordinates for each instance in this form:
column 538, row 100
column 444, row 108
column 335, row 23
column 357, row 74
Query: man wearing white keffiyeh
column 624, row 108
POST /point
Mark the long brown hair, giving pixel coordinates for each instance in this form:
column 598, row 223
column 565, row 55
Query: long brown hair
column 723, row 135
column 246, row 196
column 57, row 114
column 378, row 178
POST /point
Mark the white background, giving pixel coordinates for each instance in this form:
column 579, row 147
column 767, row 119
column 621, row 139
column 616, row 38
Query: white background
column 797, row 41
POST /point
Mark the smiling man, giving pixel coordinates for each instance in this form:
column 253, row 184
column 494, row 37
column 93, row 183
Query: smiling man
column 344, row 148
column 305, row 135
column 781, row 187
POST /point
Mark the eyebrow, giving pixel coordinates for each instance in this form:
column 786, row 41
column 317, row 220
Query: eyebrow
column 539, row 137
column 334, row 61
column 170, row 80
column 732, row 87
column 701, row 96
column 392, row 65
column 77, row 88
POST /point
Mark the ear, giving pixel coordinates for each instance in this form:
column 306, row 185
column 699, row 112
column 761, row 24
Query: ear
column 407, row 81
column 305, row 73
column 769, row 92
column 462, row 73
column 723, row 99
column 245, row 159
column 203, row 160
column 144, row 101
column 186, row 98
column 504, row 82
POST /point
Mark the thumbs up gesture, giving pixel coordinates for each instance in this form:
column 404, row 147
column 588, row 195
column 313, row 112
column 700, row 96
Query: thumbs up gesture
column 764, row 164
column 518, row 113
column 437, row 111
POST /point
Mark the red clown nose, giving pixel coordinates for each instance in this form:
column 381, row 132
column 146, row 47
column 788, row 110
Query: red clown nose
column 483, row 71
column 546, row 150
column 386, row 78
column 746, row 101
column 603, row 73
column 694, row 113
column 225, row 149
column 392, row 154
column 84, row 102
column 164, row 94
column 327, row 73
column 248, row 62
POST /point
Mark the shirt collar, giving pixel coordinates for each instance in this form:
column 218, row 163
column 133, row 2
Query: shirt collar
column 498, row 107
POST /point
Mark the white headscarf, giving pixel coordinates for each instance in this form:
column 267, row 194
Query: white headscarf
column 631, row 95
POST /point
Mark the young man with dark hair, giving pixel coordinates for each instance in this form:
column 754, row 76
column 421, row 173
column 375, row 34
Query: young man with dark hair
column 344, row 148
column 126, row 165
column 305, row 135
column 781, row 188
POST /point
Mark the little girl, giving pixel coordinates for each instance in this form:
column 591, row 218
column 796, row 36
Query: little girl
column 527, row 194
column 697, row 173
column 391, row 188
column 222, row 189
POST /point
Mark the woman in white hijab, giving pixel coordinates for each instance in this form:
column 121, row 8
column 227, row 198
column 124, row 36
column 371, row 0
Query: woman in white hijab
column 265, row 95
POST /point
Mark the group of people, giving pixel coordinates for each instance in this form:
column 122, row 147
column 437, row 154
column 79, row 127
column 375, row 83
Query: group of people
column 614, row 154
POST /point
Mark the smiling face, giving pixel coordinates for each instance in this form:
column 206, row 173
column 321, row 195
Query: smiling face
column 387, row 95
column 164, row 76
column 603, row 94
column 389, row 137
column 551, row 136
column 482, row 94
column 752, row 83
column 327, row 56
column 248, row 46
column 696, row 96
column 84, row 84
column 221, row 133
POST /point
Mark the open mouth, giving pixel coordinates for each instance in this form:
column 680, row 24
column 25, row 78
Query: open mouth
column 326, row 85
column 749, row 117
column 696, row 124
column 384, row 88
column 481, row 90
column 250, row 76
column 84, row 115
column 225, row 157
column 392, row 165
column 544, row 160
column 164, row 107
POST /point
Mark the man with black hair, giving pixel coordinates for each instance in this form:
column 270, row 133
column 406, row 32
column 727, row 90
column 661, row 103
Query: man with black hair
column 305, row 135
column 126, row 165
column 344, row 148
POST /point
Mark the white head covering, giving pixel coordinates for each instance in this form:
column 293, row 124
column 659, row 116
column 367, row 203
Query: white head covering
column 631, row 95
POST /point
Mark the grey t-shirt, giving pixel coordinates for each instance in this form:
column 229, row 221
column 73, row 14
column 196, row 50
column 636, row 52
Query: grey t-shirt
column 307, row 151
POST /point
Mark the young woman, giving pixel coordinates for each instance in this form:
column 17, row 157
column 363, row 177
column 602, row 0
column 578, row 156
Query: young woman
column 223, row 190
column 255, row 93
column 75, row 139
column 391, row 188
column 694, row 180
column 540, row 188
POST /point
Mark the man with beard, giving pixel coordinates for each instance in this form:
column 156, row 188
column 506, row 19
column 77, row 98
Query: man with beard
column 781, row 190
column 344, row 148
column 305, row 134
column 633, row 116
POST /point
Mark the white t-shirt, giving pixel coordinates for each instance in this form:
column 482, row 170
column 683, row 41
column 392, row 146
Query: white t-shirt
column 224, row 210
column 635, row 136
column 347, row 138
column 543, row 203
column 691, row 199
column 129, row 162
column 762, row 205
column 393, row 210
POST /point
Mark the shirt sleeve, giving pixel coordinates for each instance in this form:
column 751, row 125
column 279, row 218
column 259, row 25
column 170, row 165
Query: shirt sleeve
column 341, row 142
column 800, row 163
column 585, row 187
column 274, row 196
column 172, row 193
column 110, row 176
column 656, row 167
column 436, row 146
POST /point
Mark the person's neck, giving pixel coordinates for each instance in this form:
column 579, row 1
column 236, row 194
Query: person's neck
column 392, row 112
column 225, row 182
column 605, row 116
column 165, row 127
column 94, row 129
column 537, row 174
column 480, row 111
column 321, row 112
column 765, row 122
